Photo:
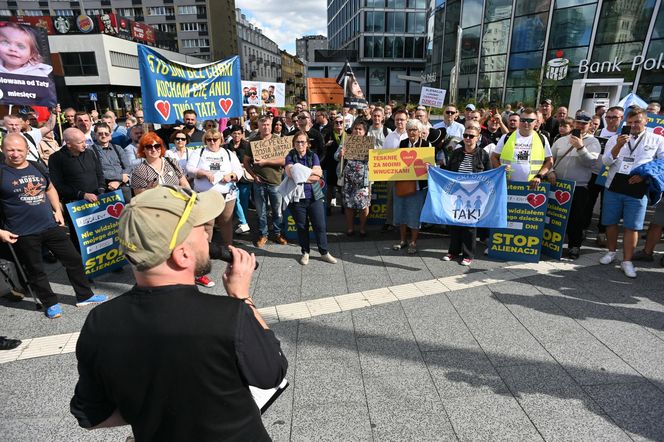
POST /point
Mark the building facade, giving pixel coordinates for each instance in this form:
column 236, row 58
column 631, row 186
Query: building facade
column 389, row 38
column 186, row 21
column 305, row 46
column 523, row 50
column 260, row 56
column 292, row 74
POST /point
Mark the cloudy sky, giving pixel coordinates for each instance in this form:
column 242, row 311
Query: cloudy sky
column 285, row 20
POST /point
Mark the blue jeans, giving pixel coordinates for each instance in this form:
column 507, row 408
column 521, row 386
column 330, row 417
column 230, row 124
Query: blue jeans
column 242, row 203
column 310, row 210
column 262, row 193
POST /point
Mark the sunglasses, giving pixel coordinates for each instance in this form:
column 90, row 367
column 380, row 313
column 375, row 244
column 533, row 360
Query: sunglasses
column 180, row 139
column 469, row 136
column 103, row 134
column 338, row 122
column 450, row 112
column 155, row 146
column 611, row 118
column 299, row 142
column 189, row 196
column 214, row 139
column 528, row 120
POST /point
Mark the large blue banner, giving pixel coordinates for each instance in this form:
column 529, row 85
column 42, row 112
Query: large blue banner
column 169, row 88
column 526, row 210
column 466, row 199
column 96, row 226
column 557, row 215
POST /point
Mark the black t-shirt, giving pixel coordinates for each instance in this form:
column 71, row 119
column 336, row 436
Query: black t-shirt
column 26, row 208
column 176, row 363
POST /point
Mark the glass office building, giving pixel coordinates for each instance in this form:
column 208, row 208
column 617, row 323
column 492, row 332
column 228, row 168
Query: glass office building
column 523, row 50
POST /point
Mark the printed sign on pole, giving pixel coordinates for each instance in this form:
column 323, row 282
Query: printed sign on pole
column 557, row 215
column 430, row 96
column 324, row 91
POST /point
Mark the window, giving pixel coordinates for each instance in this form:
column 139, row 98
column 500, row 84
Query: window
column 166, row 27
column 470, row 42
column 497, row 10
column 64, row 12
column 577, row 23
column 32, row 12
column 495, row 38
column 472, row 13
column 493, row 63
column 524, row 7
column 621, row 22
column 193, row 26
column 389, row 44
column 377, row 76
column 79, row 64
column 126, row 12
column 161, row 10
column 398, row 47
column 185, row 10
column 418, row 52
column 567, row 3
column 528, row 33
column 396, row 22
column 190, row 43
column 368, row 46
column 123, row 60
column 416, row 22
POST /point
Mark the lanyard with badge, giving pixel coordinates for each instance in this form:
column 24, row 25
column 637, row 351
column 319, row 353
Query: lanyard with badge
column 627, row 163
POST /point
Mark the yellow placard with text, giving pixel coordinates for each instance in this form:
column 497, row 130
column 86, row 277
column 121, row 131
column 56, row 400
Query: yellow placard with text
column 400, row 164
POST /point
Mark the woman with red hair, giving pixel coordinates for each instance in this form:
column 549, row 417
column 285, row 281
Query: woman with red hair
column 155, row 169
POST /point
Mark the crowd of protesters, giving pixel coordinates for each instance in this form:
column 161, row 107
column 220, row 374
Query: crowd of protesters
column 87, row 154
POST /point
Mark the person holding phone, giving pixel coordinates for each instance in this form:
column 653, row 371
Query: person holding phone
column 574, row 156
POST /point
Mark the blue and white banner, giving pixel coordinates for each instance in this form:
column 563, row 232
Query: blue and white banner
column 169, row 88
column 466, row 199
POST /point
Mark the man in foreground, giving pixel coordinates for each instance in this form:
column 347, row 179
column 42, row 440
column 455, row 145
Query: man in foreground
column 179, row 367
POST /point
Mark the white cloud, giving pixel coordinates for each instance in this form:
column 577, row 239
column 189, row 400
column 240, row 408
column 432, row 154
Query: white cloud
column 285, row 20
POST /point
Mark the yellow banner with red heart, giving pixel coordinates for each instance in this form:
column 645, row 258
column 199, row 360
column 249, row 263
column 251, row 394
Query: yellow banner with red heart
column 400, row 164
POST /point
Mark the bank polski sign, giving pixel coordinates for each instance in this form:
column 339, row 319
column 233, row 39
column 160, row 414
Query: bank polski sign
column 557, row 68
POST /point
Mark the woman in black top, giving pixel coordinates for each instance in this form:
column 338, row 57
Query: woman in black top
column 240, row 146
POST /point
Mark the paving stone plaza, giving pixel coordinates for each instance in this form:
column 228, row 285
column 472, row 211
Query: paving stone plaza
column 384, row 346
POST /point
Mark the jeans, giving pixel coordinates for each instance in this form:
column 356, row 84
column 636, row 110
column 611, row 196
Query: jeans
column 29, row 250
column 262, row 193
column 307, row 210
column 242, row 203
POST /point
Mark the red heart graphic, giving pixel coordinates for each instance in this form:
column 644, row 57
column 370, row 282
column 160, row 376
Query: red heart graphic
column 115, row 210
column 536, row 200
column 420, row 167
column 562, row 196
column 408, row 156
column 659, row 130
column 164, row 108
column 226, row 104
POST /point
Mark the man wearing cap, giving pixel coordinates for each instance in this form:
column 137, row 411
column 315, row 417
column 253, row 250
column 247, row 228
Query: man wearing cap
column 574, row 157
column 170, row 361
column 550, row 123
column 526, row 153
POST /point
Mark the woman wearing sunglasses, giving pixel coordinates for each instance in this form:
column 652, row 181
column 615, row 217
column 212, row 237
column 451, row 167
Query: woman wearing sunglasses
column 180, row 154
column 218, row 170
column 155, row 170
column 470, row 158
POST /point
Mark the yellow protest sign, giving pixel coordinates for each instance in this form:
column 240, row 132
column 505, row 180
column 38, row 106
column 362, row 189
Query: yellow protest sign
column 275, row 147
column 400, row 164
column 357, row 147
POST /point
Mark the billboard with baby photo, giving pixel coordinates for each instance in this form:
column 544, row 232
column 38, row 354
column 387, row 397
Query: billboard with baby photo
column 25, row 66
column 259, row 93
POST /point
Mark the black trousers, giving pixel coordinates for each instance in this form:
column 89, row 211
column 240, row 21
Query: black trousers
column 462, row 240
column 29, row 251
column 577, row 216
column 594, row 192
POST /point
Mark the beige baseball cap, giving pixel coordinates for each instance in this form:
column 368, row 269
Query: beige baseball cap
column 158, row 220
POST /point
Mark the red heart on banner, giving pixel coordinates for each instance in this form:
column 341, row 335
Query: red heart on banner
column 659, row 130
column 420, row 167
column 115, row 210
column 562, row 196
column 225, row 104
column 164, row 108
column 536, row 200
column 408, row 156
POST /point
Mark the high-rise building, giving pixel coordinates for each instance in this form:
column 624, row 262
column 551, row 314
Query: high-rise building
column 389, row 37
column 260, row 56
column 305, row 46
column 188, row 21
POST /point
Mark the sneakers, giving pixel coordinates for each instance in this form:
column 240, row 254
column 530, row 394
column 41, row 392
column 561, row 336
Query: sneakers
column 328, row 258
column 94, row 299
column 601, row 239
column 449, row 257
column 399, row 246
column 466, row 262
column 260, row 242
column 608, row 258
column 573, row 253
column 280, row 240
column 242, row 228
column 304, row 259
column 54, row 311
column 641, row 255
column 205, row 281
column 628, row 269
column 412, row 248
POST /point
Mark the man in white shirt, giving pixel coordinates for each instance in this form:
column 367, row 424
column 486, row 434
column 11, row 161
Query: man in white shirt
column 452, row 128
column 84, row 124
column 348, row 117
column 625, row 194
column 21, row 125
column 392, row 141
column 377, row 130
column 525, row 152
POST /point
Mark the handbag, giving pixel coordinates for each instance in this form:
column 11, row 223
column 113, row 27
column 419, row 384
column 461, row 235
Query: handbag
column 405, row 188
column 8, row 277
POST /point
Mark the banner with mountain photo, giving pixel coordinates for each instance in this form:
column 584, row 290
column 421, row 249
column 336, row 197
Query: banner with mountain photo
column 466, row 199
column 213, row 90
column 353, row 95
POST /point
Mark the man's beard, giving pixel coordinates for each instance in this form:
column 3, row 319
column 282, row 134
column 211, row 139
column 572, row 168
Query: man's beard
column 189, row 125
column 203, row 266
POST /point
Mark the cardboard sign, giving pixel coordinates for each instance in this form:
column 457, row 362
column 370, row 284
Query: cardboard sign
column 400, row 164
column 324, row 91
column 526, row 211
column 430, row 96
column 357, row 147
column 275, row 147
column 96, row 226
column 557, row 214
